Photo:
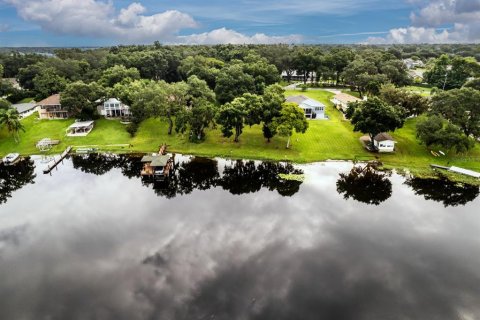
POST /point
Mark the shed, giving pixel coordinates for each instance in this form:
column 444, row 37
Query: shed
column 384, row 142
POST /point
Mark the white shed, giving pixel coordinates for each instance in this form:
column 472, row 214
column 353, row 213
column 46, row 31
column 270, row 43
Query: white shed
column 384, row 142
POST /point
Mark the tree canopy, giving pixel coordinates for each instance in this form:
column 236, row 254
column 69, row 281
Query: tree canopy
column 374, row 116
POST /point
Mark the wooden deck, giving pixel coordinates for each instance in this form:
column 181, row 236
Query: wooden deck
column 55, row 162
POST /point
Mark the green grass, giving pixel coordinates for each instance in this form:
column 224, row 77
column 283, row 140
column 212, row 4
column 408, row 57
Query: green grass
column 422, row 90
column 26, row 100
column 325, row 139
column 105, row 132
column 352, row 93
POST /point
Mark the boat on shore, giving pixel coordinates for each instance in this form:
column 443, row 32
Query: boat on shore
column 11, row 159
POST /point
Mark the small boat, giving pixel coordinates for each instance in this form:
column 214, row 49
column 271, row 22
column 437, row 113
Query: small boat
column 434, row 153
column 441, row 152
column 11, row 158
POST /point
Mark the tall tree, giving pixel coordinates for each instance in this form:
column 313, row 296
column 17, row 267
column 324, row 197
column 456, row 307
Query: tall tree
column 200, row 112
column 461, row 107
column 231, row 117
column 232, row 82
column 291, row 118
column 204, row 68
column 410, row 104
column 47, row 83
column 451, row 72
column 82, row 99
column 273, row 99
column 11, row 119
column 375, row 116
column 117, row 74
column 434, row 131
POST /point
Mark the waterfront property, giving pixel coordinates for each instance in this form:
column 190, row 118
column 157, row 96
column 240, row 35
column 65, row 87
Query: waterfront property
column 114, row 108
column 342, row 100
column 80, row 128
column 51, row 108
column 313, row 109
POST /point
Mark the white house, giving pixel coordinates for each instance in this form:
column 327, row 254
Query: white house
column 342, row 100
column 312, row 108
column 25, row 109
column 114, row 108
column 384, row 142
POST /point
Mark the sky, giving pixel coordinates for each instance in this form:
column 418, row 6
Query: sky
column 112, row 22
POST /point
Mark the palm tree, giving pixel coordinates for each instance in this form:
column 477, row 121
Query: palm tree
column 11, row 119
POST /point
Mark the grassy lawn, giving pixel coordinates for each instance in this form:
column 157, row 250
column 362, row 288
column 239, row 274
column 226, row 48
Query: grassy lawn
column 352, row 93
column 25, row 100
column 325, row 139
column 421, row 90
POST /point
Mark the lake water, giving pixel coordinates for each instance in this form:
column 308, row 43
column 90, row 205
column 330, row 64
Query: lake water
column 231, row 240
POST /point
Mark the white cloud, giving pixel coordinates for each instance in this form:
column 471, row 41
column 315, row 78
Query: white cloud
column 99, row 19
column 438, row 21
column 224, row 35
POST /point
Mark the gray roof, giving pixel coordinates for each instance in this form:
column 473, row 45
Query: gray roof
column 156, row 160
column 296, row 99
column 23, row 107
column 383, row 137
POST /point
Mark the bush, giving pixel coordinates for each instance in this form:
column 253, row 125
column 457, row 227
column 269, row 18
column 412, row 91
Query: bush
column 132, row 128
column 303, row 87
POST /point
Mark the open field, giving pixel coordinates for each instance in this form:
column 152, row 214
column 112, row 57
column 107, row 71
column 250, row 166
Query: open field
column 325, row 139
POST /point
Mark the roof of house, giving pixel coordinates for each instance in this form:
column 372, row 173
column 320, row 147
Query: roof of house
column 23, row 107
column 310, row 103
column 346, row 98
column 156, row 160
column 296, row 99
column 113, row 100
column 50, row 101
column 383, row 137
column 80, row 124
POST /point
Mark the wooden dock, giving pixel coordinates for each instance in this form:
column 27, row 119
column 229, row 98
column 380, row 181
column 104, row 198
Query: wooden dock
column 54, row 164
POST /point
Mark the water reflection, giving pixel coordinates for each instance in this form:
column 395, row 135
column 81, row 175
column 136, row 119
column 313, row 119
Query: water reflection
column 100, row 164
column 196, row 173
column 443, row 190
column 14, row 177
column 85, row 246
column 365, row 184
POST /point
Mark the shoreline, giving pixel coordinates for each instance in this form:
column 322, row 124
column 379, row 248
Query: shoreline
column 414, row 171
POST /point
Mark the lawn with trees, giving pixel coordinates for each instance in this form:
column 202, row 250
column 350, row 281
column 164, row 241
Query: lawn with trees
column 222, row 100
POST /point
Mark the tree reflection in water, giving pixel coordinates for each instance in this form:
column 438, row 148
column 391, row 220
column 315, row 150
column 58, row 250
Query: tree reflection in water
column 239, row 177
column 15, row 177
column 100, row 164
column 443, row 190
column 365, row 184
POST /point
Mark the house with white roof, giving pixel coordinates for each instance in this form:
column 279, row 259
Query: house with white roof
column 312, row 108
column 114, row 108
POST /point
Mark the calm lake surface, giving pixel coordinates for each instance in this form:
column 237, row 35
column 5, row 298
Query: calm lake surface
column 231, row 240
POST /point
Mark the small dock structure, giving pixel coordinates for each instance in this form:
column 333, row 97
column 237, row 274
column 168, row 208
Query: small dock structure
column 158, row 166
column 54, row 163
column 459, row 170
